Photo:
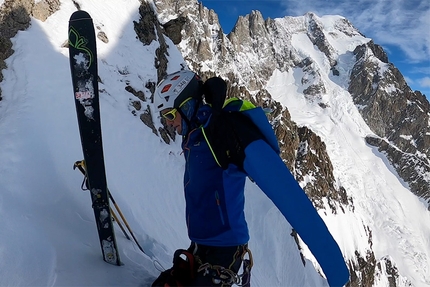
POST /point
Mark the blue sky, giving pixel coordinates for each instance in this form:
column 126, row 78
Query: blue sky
column 401, row 27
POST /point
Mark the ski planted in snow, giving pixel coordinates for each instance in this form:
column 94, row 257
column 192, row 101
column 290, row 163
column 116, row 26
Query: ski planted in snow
column 83, row 66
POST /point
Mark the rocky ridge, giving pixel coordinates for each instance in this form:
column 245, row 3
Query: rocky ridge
column 399, row 116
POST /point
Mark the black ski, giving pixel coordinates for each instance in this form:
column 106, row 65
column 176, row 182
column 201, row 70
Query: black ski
column 83, row 66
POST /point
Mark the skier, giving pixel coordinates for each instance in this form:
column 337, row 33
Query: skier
column 214, row 194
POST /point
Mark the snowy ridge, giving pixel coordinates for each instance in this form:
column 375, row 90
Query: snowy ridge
column 48, row 236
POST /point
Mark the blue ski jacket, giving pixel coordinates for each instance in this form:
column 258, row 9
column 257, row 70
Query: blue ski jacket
column 215, row 198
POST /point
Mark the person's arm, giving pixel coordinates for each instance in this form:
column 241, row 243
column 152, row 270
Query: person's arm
column 269, row 172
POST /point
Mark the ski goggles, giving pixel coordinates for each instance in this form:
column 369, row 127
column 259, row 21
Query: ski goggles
column 170, row 115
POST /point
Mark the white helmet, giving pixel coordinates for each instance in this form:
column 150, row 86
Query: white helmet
column 175, row 88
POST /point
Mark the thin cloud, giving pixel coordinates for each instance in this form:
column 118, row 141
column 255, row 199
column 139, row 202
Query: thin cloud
column 409, row 80
column 425, row 69
column 424, row 82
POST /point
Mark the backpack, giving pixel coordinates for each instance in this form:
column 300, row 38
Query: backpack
column 233, row 125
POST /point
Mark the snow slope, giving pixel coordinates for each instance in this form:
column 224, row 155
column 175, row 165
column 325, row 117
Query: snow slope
column 48, row 236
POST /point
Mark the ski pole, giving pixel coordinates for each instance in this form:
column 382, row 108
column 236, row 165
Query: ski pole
column 119, row 224
column 81, row 166
column 125, row 221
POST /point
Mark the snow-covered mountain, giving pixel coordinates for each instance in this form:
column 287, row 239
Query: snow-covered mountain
column 353, row 133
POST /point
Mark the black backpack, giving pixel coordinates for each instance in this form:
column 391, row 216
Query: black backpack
column 234, row 124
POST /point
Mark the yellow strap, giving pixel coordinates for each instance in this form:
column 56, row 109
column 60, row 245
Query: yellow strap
column 246, row 105
column 210, row 147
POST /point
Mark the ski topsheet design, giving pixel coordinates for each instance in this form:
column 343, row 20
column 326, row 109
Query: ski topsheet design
column 83, row 66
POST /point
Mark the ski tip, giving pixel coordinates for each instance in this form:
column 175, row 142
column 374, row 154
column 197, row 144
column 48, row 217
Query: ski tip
column 79, row 15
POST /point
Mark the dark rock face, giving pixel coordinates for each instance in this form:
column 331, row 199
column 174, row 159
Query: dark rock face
column 43, row 9
column 399, row 116
column 14, row 17
column 148, row 29
column 316, row 35
column 173, row 29
column 410, row 166
column 314, row 163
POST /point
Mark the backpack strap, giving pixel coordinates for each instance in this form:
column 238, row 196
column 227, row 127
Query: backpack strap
column 228, row 135
column 233, row 125
column 215, row 91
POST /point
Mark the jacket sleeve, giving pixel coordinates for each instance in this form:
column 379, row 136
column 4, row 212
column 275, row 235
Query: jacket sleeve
column 269, row 172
